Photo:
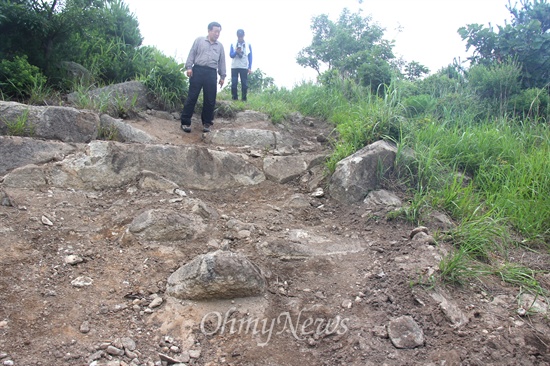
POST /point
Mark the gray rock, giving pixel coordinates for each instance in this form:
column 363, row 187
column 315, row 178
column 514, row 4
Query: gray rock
column 250, row 116
column 216, row 275
column 451, row 310
column 382, row 198
column 20, row 151
column 167, row 225
column 52, row 123
column 155, row 182
column 361, row 172
column 283, row 169
column 29, row 176
column 114, row 351
column 404, row 332
column 254, row 138
column 82, row 281
column 109, row 164
column 124, row 131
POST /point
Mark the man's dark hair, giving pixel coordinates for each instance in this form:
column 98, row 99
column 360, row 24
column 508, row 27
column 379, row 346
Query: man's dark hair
column 240, row 32
column 214, row 24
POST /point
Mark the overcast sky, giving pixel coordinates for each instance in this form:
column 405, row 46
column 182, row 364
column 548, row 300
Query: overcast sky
column 279, row 29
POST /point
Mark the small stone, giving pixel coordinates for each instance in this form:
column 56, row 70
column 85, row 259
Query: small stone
column 156, row 302
column 46, row 221
column 128, row 343
column 347, row 304
column 82, row 281
column 420, row 229
column 73, row 259
column 195, row 353
column 8, row 363
column 404, row 332
column 180, row 192
column 96, row 356
column 114, row 351
column 85, row 327
column 131, row 355
column 318, row 192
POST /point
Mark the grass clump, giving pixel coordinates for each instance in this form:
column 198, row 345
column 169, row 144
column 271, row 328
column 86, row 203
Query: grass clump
column 20, row 126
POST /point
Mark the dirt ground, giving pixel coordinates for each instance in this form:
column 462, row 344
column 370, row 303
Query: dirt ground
column 368, row 273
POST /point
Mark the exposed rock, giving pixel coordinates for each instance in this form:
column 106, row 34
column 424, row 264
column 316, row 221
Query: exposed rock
column 254, row 138
column 283, row 169
column 451, row 310
column 404, row 332
column 155, row 182
column 250, row 116
column 419, row 229
column 285, row 250
column 361, row 172
column 20, row 151
column 112, row 164
column 382, row 198
column 167, row 225
column 123, row 131
column 53, row 123
column 216, row 275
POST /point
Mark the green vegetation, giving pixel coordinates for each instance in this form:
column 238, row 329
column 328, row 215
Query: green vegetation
column 473, row 142
column 20, row 126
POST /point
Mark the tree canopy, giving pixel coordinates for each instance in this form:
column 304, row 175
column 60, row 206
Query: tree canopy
column 353, row 47
column 526, row 39
column 48, row 32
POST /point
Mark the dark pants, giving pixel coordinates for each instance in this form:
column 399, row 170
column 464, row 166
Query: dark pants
column 205, row 79
column 235, row 73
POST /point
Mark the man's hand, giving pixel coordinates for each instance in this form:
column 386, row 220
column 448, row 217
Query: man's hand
column 189, row 73
column 221, row 82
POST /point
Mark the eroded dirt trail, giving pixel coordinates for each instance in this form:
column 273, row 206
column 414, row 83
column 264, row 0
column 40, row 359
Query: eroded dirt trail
column 329, row 306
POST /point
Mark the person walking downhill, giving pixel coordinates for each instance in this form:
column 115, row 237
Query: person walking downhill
column 206, row 58
column 241, row 65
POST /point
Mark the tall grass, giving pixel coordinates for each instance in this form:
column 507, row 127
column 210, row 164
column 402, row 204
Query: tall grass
column 491, row 175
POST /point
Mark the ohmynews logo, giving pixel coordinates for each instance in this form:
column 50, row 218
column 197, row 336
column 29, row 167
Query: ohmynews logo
column 301, row 327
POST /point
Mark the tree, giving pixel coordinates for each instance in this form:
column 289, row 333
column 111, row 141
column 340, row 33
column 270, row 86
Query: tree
column 258, row 81
column 415, row 70
column 353, row 46
column 526, row 39
column 48, row 32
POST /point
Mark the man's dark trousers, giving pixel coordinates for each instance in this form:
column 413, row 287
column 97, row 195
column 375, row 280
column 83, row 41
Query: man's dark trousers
column 235, row 73
column 204, row 78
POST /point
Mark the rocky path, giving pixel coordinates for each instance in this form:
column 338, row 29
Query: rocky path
column 84, row 271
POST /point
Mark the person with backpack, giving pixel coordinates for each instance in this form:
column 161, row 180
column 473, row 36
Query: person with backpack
column 241, row 65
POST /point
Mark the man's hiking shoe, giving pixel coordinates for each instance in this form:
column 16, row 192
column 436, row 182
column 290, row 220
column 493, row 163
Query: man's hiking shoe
column 186, row 128
column 206, row 129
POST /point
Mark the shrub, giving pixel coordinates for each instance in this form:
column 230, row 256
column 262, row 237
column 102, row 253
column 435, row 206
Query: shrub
column 166, row 82
column 18, row 78
column 531, row 103
column 419, row 105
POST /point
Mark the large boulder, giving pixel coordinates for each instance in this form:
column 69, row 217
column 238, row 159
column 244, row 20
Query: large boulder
column 109, row 164
column 20, row 151
column 216, row 275
column 51, row 123
column 360, row 173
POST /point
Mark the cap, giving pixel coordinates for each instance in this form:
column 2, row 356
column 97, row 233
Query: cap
column 240, row 33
